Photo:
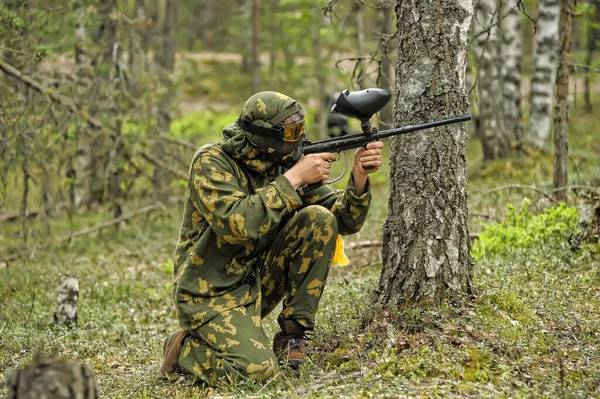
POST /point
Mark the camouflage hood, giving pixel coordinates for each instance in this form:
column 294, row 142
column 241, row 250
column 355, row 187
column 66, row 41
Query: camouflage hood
column 235, row 142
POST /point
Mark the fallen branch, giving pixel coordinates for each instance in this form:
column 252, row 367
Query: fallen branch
column 379, row 243
column 83, row 232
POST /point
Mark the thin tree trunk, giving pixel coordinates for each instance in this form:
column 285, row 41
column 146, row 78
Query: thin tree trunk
column 166, row 61
column 255, row 68
column 494, row 138
column 386, row 72
column 205, row 27
column 511, row 55
column 360, row 24
column 544, row 75
column 561, row 118
column 319, row 71
column 592, row 41
column 426, row 237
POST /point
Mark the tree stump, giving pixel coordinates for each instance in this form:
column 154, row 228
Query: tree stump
column 68, row 296
column 589, row 214
column 52, row 378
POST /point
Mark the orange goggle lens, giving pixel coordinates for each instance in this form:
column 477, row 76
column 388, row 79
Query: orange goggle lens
column 292, row 133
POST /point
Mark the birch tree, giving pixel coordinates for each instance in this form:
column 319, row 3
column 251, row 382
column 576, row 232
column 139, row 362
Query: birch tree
column 511, row 51
column 426, row 239
column 494, row 139
column 544, row 64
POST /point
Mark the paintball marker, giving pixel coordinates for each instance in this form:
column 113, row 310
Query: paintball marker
column 363, row 105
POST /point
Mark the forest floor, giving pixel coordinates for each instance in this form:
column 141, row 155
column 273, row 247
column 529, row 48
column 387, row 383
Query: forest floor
column 531, row 327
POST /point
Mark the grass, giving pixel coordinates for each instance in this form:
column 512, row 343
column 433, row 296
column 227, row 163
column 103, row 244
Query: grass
column 531, row 329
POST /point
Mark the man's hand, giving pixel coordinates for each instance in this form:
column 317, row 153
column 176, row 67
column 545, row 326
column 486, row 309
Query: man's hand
column 366, row 161
column 310, row 168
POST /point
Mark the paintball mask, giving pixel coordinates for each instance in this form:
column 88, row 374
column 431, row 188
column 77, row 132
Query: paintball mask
column 263, row 116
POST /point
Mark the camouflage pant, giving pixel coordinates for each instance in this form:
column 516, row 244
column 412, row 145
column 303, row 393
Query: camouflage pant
column 294, row 268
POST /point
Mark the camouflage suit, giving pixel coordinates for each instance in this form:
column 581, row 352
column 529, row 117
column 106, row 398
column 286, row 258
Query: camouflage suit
column 248, row 241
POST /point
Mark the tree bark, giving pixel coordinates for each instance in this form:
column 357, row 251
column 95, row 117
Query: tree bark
column 494, row 138
column 561, row 116
column 68, row 298
column 545, row 64
column 511, row 54
column 426, row 239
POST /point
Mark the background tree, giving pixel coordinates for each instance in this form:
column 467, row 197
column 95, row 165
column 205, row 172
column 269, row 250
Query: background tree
column 511, row 53
column 561, row 116
column 495, row 141
column 545, row 63
column 255, row 43
column 425, row 236
column 593, row 38
column 166, row 64
column 386, row 77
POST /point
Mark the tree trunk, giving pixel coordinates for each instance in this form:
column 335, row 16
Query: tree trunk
column 544, row 74
column 511, row 55
column 561, row 117
column 357, row 10
column 494, row 138
column 166, row 61
column 255, row 67
column 426, row 239
column 92, row 153
column 319, row 71
column 206, row 24
column 592, row 41
column 386, row 71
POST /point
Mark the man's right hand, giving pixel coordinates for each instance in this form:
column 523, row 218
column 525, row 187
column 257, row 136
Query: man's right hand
column 310, row 169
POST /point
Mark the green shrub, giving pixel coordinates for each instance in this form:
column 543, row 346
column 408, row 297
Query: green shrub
column 206, row 124
column 524, row 231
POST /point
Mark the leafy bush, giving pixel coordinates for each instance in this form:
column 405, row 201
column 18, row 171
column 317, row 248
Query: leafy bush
column 206, row 124
column 524, row 231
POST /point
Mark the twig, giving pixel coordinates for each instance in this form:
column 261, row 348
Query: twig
column 516, row 186
column 364, row 244
column 10, row 70
column 12, row 216
column 83, row 232
column 31, row 309
column 148, row 157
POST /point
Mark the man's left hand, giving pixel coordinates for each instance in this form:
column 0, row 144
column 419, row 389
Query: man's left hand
column 368, row 160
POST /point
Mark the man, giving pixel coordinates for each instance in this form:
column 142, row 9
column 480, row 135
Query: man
column 251, row 238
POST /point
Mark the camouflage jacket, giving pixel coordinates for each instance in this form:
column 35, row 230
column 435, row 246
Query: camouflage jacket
column 236, row 202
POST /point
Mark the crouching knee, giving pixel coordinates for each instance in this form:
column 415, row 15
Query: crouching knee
column 317, row 217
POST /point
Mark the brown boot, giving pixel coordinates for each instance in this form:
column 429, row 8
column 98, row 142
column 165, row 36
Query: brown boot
column 171, row 351
column 289, row 344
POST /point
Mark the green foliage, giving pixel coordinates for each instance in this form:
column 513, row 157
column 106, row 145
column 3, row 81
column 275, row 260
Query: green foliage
column 524, row 231
column 203, row 126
